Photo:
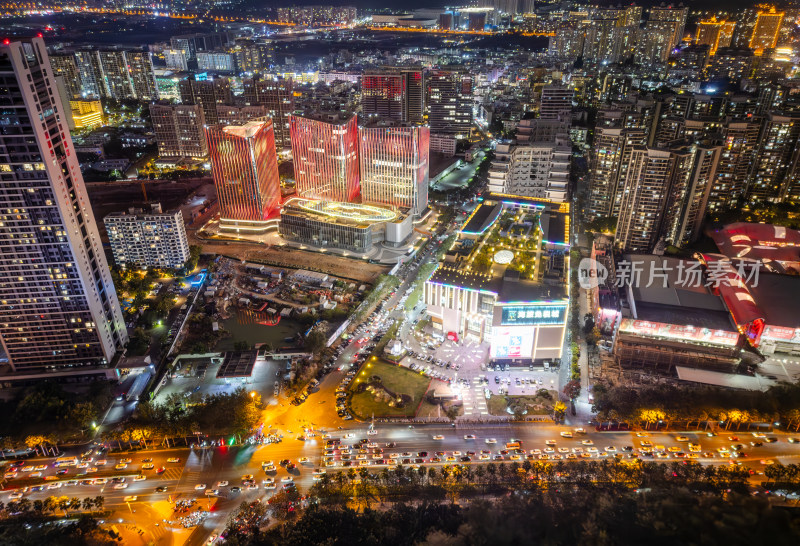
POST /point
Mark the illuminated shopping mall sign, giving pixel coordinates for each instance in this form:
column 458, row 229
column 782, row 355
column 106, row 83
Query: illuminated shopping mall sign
column 533, row 315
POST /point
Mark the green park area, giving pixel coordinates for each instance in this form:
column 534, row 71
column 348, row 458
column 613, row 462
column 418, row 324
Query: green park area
column 540, row 403
column 383, row 389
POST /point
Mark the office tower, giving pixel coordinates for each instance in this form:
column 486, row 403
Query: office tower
column 556, row 102
column 207, row 94
column 58, row 306
column 715, row 34
column 671, row 14
column 766, row 30
column 176, row 59
column 775, row 158
column 392, row 95
column 277, row 96
column 394, row 166
column 652, row 176
column 91, row 73
column 739, row 145
column 325, row 158
column 140, row 67
column 65, row 66
column 449, row 102
column 147, row 239
column 179, row 130
column 608, row 162
column 245, row 168
column 115, row 74
column 539, row 170
column 239, row 115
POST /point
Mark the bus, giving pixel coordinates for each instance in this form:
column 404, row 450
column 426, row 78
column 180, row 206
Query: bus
column 66, row 461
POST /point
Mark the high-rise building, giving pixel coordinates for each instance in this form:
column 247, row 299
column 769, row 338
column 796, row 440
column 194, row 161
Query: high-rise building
column 245, row 167
column 672, row 14
column 86, row 113
column 449, row 102
column 775, row 158
column 766, row 30
column 114, row 66
column 253, row 57
column 217, row 61
column 239, row 115
column 392, row 95
column 277, row 96
column 739, row 145
column 651, row 178
column 655, row 41
column 58, row 306
column 714, row 34
column 148, row 239
column 556, row 102
column 207, row 94
column 176, row 59
column 65, row 66
column 92, row 80
column 325, row 158
column 394, row 166
column 476, row 21
column 179, row 130
column 608, row 162
column 140, row 67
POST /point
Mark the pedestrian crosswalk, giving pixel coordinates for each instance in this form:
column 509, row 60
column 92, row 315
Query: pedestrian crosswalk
column 474, row 399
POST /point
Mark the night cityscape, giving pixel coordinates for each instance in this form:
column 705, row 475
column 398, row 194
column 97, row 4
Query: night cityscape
column 503, row 272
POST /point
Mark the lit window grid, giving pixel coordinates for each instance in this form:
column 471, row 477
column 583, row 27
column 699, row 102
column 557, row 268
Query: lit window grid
column 245, row 172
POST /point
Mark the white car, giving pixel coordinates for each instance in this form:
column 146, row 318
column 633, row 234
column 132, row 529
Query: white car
column 200, row 487
column 121, row 466
column 121, row 486
column 222, row 484
column 438, row 437
column 15, row 496
column 491, row 440
column 268, row 481
column 304, row 460
column 54, row 485
column 469, row 436
column 287, row 479
column 130, row 498
column 125, row 461
column 139, row 478
column 101, row 462
column 587, row 442
column 566, row 434
column 267, row 463
column 173, row 460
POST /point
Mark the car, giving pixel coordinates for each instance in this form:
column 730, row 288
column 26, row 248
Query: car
column 41, row 467
column 91, row 469
column 491, row 440
column 139, row 478
column 161, row 489
column 120, row 486
column 148, row 466
column 287, row 479
column 101, row 462
column 673, row 449
column 304, row 460
column 247, row 477
column 15, row 496
column 469, row 436
column 125, row 461
column 223, row 483
column 83, row 465
column 551, row 443
column 174, row 460
column 733, row 438
column 252, row 486
column 438, row 437
column 771, row 440
column 793, row 440
column 10, row 475
column 587, row 442
column 767, row 462
column 160, row 470
column 566, row 434
column 36, row 475
column 62, row 471
column 130, row 498
column 682, row 438
column 147, row 460
column 55, row 485
column 267, row 463
column 235, row 489
column 121, row 466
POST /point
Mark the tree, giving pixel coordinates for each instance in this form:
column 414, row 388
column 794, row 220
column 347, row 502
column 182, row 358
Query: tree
column 572, row 389
column 315, row 341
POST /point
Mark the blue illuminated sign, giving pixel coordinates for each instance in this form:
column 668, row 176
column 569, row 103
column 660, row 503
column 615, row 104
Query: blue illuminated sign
column 533, row 315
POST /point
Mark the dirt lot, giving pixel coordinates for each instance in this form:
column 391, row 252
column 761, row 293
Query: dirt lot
column 357, row 270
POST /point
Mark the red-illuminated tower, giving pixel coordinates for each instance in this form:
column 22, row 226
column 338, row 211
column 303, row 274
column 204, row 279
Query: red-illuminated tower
column 245, row 169
column 394, row 166
column 325, row 158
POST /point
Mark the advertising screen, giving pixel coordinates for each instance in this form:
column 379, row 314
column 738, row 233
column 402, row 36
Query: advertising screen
column 512, row 342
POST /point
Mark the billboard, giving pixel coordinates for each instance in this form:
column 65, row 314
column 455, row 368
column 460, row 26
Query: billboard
column 534, row 315
column 679, row 332
column 511, row 342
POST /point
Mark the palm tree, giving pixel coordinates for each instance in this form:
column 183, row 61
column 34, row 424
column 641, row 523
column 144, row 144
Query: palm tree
column 63, row 504
column 49, row 504
column 99, row 501
column 88, row 503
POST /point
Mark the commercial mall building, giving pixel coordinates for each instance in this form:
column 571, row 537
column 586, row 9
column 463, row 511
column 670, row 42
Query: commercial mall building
column 504, row 281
